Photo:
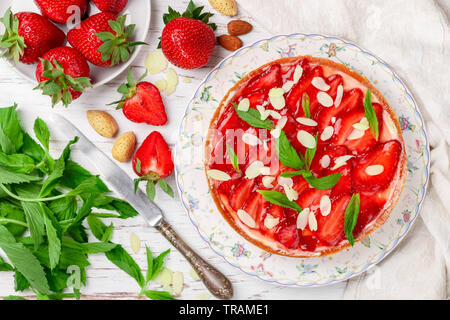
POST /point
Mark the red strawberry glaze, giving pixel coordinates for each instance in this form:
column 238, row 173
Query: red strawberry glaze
column 358, row 160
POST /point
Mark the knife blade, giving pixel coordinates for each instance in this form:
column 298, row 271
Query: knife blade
column 122, row 184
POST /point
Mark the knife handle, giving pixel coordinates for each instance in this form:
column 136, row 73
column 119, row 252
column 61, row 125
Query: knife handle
column 213, row 279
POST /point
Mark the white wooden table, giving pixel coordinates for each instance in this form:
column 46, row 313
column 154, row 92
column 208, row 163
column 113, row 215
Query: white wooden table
column 105, row 280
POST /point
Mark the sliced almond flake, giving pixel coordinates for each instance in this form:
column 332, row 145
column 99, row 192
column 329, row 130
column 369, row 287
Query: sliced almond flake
column 270, row 221
column 276, row 98
column 244, row 105
column 156, row 62
column 320, row 84
column 291, row 194
column 246, row 218
column 302, row 219
column 298, row 72
column 194, row 275
column 172, row 81
column 339, row 93
column 275, row 133
column 374, row 170
column 363, row 125
column 274, row 114
column 333, row 120
column 312, row 221
column 177, row 283
column 251, row 139
column 165, row 277
column 264, row 114
column 254, row 169
column 356, row 134
column 135, row 242
column 306, row 139
column 324, row 99
column 218, row 175
column 285, row 181
column 327, row 133
column 282, row 122
column 325, row 205
column 287, row 86
column 161, row 84
column 341, row 161
column 325, row 161
column 307, row 121
column 267, row 181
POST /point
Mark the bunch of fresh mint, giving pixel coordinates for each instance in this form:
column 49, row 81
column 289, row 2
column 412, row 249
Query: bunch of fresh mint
column 46, row 206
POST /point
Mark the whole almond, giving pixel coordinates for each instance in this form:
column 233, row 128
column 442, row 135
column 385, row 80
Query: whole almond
column 124, row 146
column 239, row 27
column 225, row 7
column 103, row 123
column 231, row 43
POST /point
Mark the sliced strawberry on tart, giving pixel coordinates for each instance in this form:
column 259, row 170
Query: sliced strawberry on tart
column 305, row 157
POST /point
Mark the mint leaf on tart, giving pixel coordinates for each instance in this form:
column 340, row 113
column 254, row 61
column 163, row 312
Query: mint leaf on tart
column 371, row 115
column 351, row 217
column 287, row 154
column 305, row 105
column 233, row 158
column 253, row 118
column 323, row 183
column 279, row 199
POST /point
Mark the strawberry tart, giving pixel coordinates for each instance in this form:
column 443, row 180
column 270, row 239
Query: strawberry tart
column 304, row 157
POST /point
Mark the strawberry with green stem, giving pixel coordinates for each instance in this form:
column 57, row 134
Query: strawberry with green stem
column 152, row 163
column 104, row 39
column 63, row 74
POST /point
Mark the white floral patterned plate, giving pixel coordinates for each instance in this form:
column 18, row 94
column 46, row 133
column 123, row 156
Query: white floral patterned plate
column 223, row 239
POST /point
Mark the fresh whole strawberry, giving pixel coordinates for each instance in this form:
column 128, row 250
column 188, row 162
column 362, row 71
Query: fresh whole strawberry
column 103, row 39
column 28, row 36
column 114, row 6
column 63, row 74
column 62, row 11
column 188, row 40
column 142, row 102
column 153, row 162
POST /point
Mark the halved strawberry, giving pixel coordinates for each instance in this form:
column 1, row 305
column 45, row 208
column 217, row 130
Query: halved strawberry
column 267, row 80
column 153, row 159
column 288, row 236
column 241, row 192
column 386, row 155
column 294, row 97
column 331, row 228
column 371, row 204
column 311, row 198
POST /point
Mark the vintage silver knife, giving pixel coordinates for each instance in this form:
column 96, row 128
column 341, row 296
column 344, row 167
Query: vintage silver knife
column 122, row 184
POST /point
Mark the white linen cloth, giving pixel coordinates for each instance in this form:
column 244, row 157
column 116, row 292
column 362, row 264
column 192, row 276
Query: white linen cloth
column 413, row 37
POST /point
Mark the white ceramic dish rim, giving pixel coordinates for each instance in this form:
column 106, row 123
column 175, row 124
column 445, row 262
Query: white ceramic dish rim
column 426, row 154
column 116, row 73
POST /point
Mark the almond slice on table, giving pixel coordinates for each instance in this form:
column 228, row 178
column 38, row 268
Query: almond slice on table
column 302, row 219
column 172, row 81
column 102, row 122
column 135, row 242
column 161, row 84
column 324, row 99
column 246, row 218
column 165, row 277
column 239, row 27
column 320, row 84
column 218, row 175
column 156, row 62
column 231, row 43
column 194, row 275
column 177, row 283
column 306, row 139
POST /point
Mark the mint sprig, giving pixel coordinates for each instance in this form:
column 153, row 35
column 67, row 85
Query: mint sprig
column 351, row 217
column 287, row 154
column 279, row 199
column 371, row 115
column 253, row 118
column 233, row 158
column 322, row 183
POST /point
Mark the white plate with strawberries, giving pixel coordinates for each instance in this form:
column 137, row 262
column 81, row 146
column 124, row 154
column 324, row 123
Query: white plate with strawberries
column 230, row 245
column 137, row 13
